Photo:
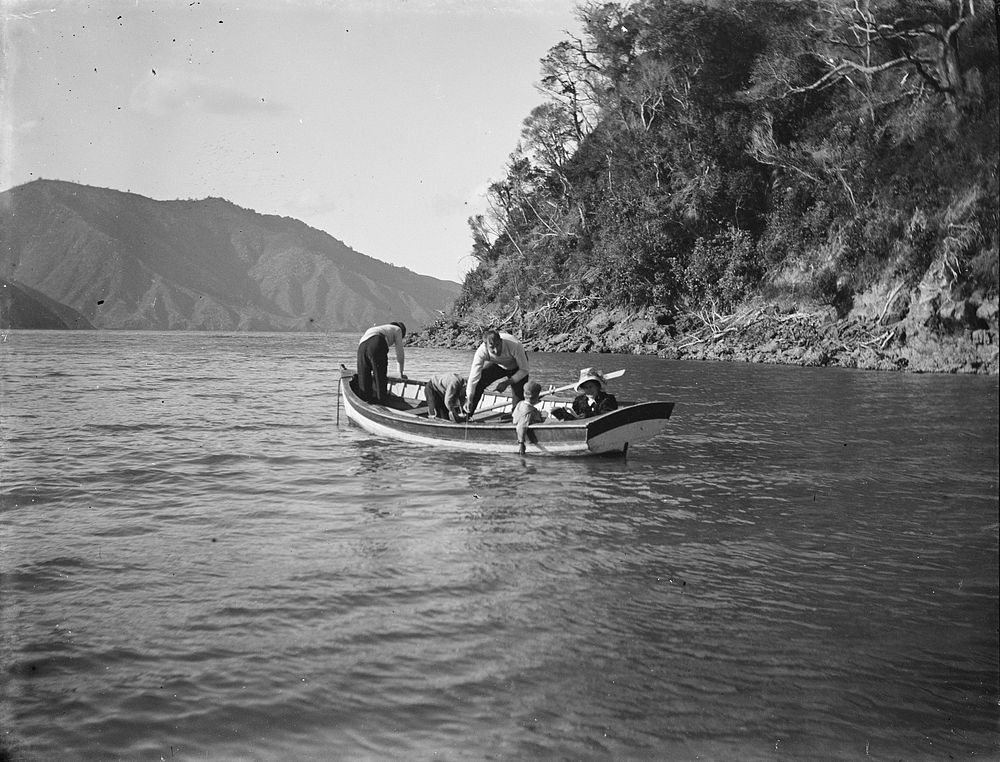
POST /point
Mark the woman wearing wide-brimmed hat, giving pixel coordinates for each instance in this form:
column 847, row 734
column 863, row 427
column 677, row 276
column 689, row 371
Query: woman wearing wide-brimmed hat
column 593, row 398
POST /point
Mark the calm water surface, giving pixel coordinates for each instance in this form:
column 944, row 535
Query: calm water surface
column 203, row 560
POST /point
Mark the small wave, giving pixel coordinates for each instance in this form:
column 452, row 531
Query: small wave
column 135, row 477
column 127, row 428
column 63, row 562
column 49, row 575
column 32, row 496
column 125, row 531
column 215, row 459
column 47, row 665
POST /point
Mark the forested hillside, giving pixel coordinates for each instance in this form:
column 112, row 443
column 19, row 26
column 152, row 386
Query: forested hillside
column 119, row 260
column 717, row 172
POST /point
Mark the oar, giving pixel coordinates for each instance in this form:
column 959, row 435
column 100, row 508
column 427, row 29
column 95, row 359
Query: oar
column 343, row 372
column 612, row 374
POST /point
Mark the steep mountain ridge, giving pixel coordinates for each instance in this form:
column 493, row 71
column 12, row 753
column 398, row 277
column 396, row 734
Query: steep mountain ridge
column 126, row 261
column 23, row 307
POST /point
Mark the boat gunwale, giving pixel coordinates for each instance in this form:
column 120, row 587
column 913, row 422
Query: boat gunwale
column 570, row 437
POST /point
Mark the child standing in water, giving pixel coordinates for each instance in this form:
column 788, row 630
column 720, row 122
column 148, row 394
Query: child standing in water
column 525, row 412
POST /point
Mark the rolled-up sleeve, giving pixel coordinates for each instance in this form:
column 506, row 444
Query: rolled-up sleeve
column 517, row 352
column 476, row 371
column 399, row 355
column 397, row 341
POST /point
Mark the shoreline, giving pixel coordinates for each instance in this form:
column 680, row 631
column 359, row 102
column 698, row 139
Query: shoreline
column 760, row 332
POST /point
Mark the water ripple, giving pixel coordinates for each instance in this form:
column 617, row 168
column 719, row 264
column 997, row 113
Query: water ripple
column 799, row 569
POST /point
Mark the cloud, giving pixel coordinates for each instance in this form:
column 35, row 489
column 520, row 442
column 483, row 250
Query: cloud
column 311, row 203
column 480, row 193
column 26, row 127
column 443, row 7
column 164, row 91
column 453, row 204
column 24, row 15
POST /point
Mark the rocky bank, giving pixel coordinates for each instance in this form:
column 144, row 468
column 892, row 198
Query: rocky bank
column 926, row 329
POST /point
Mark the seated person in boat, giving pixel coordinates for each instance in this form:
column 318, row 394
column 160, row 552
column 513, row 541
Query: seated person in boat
column 373, row 360
column 593, row 398
column 500, row 356
column 526, row 412
column 446, row 394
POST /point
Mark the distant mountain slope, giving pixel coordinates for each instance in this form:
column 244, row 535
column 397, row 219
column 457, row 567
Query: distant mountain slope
column 22, row 307
column 127, row 261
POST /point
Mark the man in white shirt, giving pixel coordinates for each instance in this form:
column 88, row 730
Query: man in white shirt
column 373, row 360
column 499, row 356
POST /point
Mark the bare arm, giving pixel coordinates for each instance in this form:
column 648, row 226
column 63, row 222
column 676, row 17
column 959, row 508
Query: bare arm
column 399, row 352
column 476, row 371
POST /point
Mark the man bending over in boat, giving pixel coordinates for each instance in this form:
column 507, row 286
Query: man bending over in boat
column 373, row 360
column 499, row 356
column 445, row 395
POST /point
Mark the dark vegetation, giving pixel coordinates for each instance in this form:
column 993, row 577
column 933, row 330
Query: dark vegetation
column 694, row 156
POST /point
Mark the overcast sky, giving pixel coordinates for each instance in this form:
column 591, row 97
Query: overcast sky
column 379, row 122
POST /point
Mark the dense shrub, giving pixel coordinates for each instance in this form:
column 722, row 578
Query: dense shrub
column 473, row 291
column 689, row 149
column 724, row 269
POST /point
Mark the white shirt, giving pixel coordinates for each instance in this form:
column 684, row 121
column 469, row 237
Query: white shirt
column 511, row 356
column 393, row 337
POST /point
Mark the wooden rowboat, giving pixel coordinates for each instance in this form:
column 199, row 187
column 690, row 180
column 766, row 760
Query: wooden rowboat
column 405, row 419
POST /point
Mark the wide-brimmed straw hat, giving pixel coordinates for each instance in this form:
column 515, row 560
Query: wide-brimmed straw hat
column 590, row 374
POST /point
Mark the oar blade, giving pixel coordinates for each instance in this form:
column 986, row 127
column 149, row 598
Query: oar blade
column 613, row 374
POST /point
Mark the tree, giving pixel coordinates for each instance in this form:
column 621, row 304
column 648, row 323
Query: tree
column 858, row 40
